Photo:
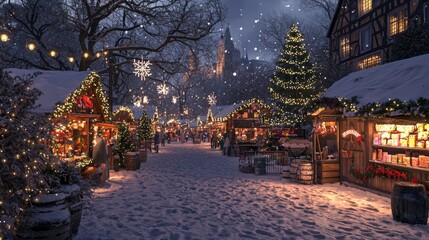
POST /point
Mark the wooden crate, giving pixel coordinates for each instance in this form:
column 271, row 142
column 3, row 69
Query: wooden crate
column 328, row 171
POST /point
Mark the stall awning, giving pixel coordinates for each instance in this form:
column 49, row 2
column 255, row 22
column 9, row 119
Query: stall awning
column 406, row 79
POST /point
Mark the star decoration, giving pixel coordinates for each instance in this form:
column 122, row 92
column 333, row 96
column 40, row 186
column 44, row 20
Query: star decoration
column 174, row 99
column 212, row 99
column 162, row 89
column 142, row 69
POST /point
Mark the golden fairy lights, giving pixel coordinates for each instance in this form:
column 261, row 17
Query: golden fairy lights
column 92, row 81
column 293, row 84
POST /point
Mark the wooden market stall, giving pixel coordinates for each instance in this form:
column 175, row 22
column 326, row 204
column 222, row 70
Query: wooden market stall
column 75, row 101
column 325, row 145
column 246, row 123
column 384, row 136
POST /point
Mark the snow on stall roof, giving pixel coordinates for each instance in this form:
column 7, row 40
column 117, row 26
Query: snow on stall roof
column 138, row 111
column 406, row 79
column 227, row 110
column 56, row 86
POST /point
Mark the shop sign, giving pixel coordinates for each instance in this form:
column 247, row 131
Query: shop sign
column 354, row 133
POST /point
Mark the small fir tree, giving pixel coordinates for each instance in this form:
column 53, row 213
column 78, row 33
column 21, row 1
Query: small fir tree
column 144, row 130
column 125, row 143
column 24, row 154
column 293, row 83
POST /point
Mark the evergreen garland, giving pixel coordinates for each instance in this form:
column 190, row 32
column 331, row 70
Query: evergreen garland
column 293, row 83
column 125, row 143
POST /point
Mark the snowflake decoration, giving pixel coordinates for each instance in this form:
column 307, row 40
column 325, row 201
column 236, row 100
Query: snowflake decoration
column 174, row 99
column 212, row 99
column 162, row 89
column 142, row 69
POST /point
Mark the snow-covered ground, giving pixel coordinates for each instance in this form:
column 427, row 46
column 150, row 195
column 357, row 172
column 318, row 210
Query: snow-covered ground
column 188, row 191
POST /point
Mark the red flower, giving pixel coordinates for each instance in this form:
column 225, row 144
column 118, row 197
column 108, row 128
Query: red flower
column 369, row 168
column 403, row 176
column 414, row 180
column 382, row 170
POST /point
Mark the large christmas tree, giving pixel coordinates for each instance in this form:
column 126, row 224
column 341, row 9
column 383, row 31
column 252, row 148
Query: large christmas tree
column 293, row 83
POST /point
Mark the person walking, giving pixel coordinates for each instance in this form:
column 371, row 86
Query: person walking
column 162, row 139
column 156, row 141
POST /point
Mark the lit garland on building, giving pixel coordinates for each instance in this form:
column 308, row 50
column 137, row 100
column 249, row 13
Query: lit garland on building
column 265, row 118
column 293, row 84
column 418, row 108
column 123, row 109
column 91, row 82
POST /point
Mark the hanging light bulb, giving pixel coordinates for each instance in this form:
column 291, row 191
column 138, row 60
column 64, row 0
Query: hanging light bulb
column 31, row 46
column 53, row 53
column 71, row 59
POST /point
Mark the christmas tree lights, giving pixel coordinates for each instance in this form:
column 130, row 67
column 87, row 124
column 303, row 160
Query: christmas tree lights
column 24, row 152
column 123, row 113
column 293, row 83
column 144, row 130
column 125, row 143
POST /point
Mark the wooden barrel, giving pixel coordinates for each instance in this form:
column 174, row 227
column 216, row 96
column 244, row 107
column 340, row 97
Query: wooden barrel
column 47, row 218
column 409, row 203
column 132, row 161
column 286, row 172
column 304, row 173
column 143, row 155
column 294, row 168
column 74, row 204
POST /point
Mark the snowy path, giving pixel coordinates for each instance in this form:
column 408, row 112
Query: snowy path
column 189, row 191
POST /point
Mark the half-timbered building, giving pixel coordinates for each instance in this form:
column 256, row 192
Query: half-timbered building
column 362, row 31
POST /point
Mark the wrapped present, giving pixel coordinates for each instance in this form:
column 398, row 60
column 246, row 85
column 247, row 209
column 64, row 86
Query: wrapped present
column 406, row 161
column 395, row 159
column 423, row 161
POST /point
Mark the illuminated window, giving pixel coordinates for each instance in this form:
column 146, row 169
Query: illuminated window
column 365, row 39
column 345, row 47
column 365, row 6
column 398, row 22
column 370, row 61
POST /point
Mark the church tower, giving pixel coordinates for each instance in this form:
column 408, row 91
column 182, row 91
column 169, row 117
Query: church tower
column 228, row 58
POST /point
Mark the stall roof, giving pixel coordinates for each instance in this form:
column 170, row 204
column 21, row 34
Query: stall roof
column 226, row 110
column 56, row 86
column 138, row 111
column 406, row 79
column 216, row 109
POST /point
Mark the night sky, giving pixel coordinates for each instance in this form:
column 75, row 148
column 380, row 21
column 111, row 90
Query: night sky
column 244, row 21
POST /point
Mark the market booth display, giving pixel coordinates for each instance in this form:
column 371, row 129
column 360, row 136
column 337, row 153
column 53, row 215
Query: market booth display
column 246, row 123
column 384, row 132
column 76, row 102
column 325, row 145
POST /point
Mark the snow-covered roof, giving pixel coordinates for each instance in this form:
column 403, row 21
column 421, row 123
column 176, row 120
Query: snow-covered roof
column 216, row 109
column 226, row 110
column 406, row 79
column 138, row 111
column 56, row 86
